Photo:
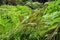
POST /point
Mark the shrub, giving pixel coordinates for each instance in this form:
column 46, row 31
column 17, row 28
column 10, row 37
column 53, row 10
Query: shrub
column 9, row 19
column 31, row 24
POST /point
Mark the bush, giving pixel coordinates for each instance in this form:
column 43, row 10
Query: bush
column 9, row 19
column 34, row 5
column 21, row 23
column 39, row 24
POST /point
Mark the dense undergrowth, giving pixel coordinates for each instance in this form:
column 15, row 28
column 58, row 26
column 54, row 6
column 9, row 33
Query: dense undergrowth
column 23, row 23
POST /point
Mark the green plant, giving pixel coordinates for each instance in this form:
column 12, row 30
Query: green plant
column 34, row 5
column 9, row 19
column 39, row 23
column 31, row 24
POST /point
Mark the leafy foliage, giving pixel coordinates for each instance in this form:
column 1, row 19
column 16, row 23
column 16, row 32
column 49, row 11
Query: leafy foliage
column 9, row 19
column 34, row 5
column 22, row 23
column 40, row 23
column 52, row 7
column 21, row 2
